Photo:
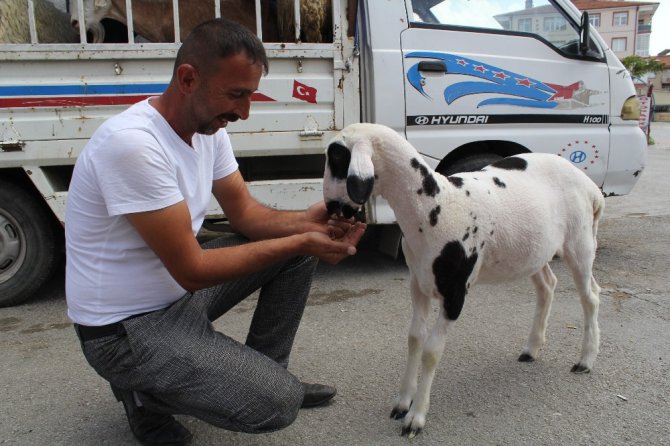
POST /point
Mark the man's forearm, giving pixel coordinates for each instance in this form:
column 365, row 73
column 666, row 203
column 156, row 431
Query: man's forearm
column 214, row 266
column 261, row 223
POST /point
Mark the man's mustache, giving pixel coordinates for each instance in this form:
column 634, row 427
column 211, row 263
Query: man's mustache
column 230, row 117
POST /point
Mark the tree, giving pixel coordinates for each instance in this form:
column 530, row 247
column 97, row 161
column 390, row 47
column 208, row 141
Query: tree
column 639, row 66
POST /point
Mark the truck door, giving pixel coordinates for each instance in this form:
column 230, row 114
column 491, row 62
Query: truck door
column 499, row 71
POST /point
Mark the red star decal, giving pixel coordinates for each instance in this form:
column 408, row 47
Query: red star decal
column 461, row 62
column 500, row 75
column 480, row 68
column 525, row 82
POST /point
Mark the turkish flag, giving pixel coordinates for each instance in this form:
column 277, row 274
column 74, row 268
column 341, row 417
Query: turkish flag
column 304, row 92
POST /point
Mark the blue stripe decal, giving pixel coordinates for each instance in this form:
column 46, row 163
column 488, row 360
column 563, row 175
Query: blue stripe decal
column 59, row 90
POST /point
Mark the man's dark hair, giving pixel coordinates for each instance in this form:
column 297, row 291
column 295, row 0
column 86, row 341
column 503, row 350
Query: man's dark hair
column 217, row 39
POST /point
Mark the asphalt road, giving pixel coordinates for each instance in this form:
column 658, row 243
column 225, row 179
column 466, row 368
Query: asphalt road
column 354, row 336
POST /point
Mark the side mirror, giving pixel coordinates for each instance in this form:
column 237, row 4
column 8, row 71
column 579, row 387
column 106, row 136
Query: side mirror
column 584, row 33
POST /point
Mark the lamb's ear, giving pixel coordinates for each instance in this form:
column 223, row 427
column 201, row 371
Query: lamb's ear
column 361, row 175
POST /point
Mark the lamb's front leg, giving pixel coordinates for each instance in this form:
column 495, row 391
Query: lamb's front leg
column 415, row 419
column 415, row 341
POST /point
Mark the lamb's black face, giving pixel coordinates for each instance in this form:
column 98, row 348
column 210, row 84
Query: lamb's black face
column 344, row 191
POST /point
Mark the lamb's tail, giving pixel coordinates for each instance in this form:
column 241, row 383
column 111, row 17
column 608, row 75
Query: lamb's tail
column 598, row 209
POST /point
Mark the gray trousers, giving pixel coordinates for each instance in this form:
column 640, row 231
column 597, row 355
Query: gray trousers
column 177, row 363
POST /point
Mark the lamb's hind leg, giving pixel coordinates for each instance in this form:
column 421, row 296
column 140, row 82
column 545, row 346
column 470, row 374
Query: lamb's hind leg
column 545, row 284
column 589, row 294
column 415, row 340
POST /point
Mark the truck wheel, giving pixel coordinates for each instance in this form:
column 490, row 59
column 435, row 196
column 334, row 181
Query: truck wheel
column 28, row 250
column 470, row 163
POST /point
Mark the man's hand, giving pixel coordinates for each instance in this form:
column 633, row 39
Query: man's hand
column 317, row 219
column 333, row 249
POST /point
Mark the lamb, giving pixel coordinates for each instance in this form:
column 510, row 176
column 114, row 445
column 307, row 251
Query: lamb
column 504, row 222
column 52, row 24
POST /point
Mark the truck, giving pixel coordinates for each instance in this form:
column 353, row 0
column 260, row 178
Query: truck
column 465, row 83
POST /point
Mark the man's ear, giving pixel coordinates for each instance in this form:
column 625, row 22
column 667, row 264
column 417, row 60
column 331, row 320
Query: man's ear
column 187, row 77
column 361, row 174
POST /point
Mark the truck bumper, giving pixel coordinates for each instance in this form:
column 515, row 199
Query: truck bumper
column 627, row 159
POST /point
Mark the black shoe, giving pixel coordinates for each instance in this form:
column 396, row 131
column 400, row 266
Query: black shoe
column 317, row 394
column 152, row 428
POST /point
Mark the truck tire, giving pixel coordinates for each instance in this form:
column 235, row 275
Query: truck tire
column 29, row 251
column 470, row 163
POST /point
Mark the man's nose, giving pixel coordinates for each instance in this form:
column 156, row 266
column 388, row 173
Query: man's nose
column 243, row 107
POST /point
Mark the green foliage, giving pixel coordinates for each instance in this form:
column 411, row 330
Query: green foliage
column 639, row 66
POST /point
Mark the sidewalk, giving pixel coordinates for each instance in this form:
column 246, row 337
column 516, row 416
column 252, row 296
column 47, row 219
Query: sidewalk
column 660, row 133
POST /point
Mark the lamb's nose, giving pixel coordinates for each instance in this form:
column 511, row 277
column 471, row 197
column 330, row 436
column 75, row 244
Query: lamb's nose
column 333, row 207
column 348, row 211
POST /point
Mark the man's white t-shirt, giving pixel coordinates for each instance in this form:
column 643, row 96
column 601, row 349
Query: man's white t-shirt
column 134, row 162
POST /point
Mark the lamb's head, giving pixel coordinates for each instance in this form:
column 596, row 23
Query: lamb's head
column 94, row 12
column 349, row 175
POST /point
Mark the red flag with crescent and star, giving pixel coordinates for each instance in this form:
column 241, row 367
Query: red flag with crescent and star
column 304, row 92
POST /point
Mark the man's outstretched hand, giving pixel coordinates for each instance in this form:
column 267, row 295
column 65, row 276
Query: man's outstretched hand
column 333, row 249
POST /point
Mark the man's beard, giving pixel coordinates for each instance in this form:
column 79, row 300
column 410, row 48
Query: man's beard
column 211, row 127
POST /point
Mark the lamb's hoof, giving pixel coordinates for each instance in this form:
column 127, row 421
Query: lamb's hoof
column 525, row 357
column 579, row 368
column 398, row 414
column 410, row 432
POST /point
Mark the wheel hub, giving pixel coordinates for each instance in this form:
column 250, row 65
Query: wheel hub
column 12, row 246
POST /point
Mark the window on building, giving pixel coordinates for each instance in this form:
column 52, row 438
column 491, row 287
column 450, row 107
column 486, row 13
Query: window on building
column 505, row 24
column 525, row 25
column 554, row 24
column 594, row 19
column 642, row 45
column 620, row 18
column 619, row 44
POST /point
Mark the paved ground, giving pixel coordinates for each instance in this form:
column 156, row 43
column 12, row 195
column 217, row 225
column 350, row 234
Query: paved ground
column 354, row 336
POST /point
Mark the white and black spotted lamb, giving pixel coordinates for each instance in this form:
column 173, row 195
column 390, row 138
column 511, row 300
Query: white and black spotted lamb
column 503, row 222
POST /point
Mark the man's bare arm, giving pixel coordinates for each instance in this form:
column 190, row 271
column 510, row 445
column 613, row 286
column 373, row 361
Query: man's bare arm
column 168, row 233
column 256, row 221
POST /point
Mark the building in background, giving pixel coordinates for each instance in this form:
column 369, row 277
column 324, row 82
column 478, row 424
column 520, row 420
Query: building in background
column 624, row 25
column 660, row 83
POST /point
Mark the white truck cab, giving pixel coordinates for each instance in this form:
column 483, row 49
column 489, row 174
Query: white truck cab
column 465, row 82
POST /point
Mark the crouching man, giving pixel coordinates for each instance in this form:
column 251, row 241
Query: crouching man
column 143, row 293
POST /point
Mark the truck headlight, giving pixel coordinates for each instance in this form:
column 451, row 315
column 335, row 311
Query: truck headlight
column 631, row 109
